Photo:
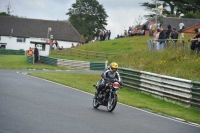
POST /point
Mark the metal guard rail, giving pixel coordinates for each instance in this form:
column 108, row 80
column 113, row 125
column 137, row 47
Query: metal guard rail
column 182, row 91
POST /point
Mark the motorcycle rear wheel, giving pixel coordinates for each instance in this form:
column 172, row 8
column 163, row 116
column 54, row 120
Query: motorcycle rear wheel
column 112, row 102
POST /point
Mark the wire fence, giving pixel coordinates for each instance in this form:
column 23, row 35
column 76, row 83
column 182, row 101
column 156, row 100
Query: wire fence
column 172, row 44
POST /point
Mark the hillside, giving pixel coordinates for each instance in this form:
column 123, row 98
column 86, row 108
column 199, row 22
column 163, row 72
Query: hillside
column 132, row 52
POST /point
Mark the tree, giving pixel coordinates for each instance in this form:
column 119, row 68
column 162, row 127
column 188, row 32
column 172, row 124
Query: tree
column 8, row 7
column 172, row 7
column 138, row 21
column 4, row 14
column 191, row 14
column 87, row 16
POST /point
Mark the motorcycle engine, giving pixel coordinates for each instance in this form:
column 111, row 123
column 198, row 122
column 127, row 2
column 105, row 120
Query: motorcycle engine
column 100, row 96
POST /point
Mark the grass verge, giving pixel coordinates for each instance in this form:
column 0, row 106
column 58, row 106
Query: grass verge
column 126, row 96
column 20, row 62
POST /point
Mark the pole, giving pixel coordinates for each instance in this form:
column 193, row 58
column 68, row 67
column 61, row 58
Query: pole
column 156, row 14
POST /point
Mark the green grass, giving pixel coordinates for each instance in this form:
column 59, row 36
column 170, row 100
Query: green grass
column 20, row 62
column 126, row 96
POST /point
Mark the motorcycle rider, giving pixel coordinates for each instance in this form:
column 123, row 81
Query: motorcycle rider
column 110, row 74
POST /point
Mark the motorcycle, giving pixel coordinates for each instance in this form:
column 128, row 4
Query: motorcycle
column 107, row 97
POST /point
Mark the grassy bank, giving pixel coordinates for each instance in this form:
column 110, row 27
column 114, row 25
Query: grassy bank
column 132, row 52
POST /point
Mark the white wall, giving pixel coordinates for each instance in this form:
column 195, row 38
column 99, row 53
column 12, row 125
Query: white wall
column 13, row 44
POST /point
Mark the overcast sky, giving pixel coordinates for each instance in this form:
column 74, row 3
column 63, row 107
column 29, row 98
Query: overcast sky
column 122, row 13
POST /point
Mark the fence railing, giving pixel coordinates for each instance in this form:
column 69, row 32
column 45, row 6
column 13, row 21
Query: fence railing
column 170, row 44
column 84, row 54
column 185, row 92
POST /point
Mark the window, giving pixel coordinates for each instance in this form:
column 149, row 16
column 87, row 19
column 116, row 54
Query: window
column 21, row 39
column 41, row 47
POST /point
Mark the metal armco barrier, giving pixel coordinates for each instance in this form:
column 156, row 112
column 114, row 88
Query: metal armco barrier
column 72, row 63
column 97, row 66
column 30, row 59
column 195, row 100
column 48, row 60
column 169, row 88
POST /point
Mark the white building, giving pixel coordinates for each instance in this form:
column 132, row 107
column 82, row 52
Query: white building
column 22, row 33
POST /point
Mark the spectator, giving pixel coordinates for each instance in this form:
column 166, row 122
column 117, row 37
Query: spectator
column 168, row 32
column 54, row 46
column 36, row 54
column 181, row 27
column 109, row 34
column 141, row 32
column 156, row 34
column 162, row 39
column 61, row 48
column 158, row 25
column 30, row 52
column 56, row 43
column 125, row 33
column 149, row 28
column 153, row 28
column 72, row 45
column 194, row 41
column 106, row 35
column 174, row 35
column 144, row 28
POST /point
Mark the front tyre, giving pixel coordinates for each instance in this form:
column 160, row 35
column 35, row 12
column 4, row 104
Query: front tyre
column 112, row 102
column 95, row 103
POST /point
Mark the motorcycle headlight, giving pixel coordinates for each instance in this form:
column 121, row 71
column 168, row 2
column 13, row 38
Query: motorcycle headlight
column 116, row 85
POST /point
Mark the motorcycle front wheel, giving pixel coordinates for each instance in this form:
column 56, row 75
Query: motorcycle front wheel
column 95, row 103
column 112, row 102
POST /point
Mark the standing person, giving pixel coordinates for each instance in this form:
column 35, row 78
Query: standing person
column 153, row 28
column 156, row 34
column 72, row 45
column 30, row 52
column 162, row 39
column 174, row 35
column 149, row 28
column 109, row 33
column 56, row 43
column 181, row 27
column 194, row 40
column 168, row 32
column 106, row 38
column 36, row 54
column 144, row 28
column 158, row 25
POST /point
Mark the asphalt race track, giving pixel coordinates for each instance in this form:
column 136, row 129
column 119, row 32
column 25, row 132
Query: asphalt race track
column 33, row 105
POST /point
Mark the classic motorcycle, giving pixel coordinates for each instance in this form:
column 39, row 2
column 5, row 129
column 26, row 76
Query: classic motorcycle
column 107, row 97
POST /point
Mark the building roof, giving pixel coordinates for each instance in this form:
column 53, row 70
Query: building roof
column 174, row 22
column 23, row 27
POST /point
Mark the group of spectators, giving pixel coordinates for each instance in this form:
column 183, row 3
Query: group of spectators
column 133, row 31
column 161, row 36
column 104, row 35
column 54, row 45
